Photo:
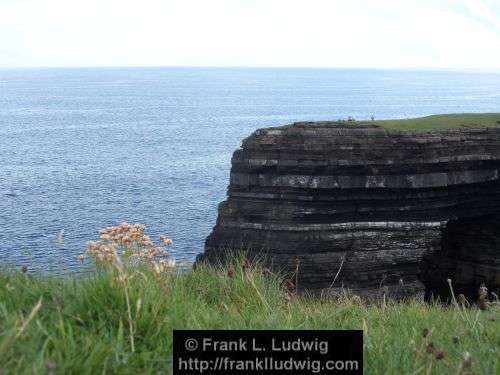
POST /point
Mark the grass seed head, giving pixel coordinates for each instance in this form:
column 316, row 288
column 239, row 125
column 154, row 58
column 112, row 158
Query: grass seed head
column 483, row 291
column 430, row 348
column 246, row 265
column 466, row 360
column 51, row 367
column 440, row 354
column 482, row 300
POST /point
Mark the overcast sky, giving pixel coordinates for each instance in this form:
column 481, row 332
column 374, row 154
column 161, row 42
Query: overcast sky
column 450, row 34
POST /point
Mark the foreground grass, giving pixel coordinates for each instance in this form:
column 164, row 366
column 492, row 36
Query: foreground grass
column 441, row 122
column 65, row 326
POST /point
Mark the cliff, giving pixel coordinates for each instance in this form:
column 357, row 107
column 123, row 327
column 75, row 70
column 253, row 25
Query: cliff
column 366, row 208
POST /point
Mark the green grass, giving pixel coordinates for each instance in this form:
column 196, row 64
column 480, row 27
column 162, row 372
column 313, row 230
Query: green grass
column 82, row 327
column 441, row 122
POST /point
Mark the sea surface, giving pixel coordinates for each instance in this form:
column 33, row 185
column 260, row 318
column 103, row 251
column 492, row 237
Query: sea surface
column 81, row 149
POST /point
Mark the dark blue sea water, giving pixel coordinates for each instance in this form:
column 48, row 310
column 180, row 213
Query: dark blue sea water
column 81, row 149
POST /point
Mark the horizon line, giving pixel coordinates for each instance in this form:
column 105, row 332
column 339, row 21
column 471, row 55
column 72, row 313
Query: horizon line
column 311, row 67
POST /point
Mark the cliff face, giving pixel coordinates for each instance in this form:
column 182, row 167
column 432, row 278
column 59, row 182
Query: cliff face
column 367, row 209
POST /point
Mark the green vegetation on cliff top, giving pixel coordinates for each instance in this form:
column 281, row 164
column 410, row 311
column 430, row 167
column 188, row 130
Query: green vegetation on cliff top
column 427, row 123
column 442, row 122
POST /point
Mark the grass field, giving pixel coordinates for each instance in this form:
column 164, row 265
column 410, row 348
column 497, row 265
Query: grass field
column 441, row 122
column 90, row 325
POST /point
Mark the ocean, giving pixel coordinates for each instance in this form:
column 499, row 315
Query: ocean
column 82, row 149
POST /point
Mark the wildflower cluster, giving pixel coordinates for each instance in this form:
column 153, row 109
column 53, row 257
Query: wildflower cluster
column 128, row 244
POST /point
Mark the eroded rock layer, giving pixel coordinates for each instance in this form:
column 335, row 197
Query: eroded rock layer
column 363, row 208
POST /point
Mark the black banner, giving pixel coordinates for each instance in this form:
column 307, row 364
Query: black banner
column 268, row 352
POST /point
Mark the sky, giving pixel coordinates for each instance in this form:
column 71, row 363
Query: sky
column 442, row 34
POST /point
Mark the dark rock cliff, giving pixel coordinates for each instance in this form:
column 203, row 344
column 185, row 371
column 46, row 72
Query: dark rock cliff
column 363, row 208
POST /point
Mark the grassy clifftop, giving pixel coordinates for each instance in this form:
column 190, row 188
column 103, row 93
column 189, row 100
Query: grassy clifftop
column 69, row 326
column 441, row 122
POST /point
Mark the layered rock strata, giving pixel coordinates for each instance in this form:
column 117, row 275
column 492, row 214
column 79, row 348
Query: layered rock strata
column 361, row 208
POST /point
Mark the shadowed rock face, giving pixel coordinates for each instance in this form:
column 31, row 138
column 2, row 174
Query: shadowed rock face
column 366, row 209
